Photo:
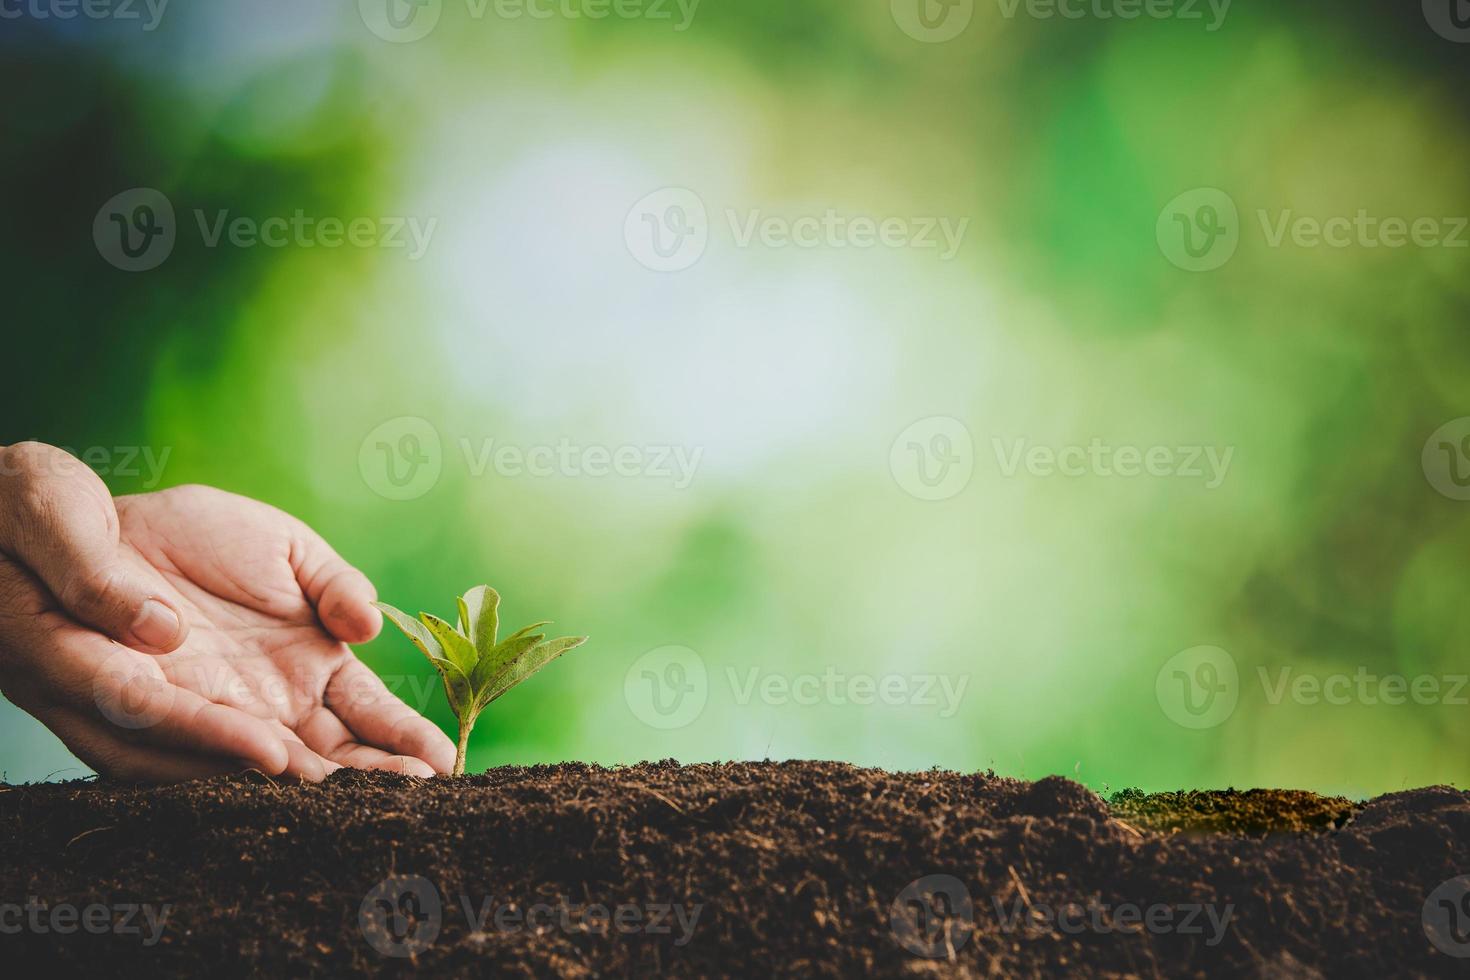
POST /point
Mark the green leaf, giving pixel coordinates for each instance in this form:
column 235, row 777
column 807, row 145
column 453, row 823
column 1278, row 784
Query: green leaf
column 526, row 629
column 456, row 647
column 524, row 666
column 413, row 629
column 456, row 685
column 481, row 609
column 506, row 651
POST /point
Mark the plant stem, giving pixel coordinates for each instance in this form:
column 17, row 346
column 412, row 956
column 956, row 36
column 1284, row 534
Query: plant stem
column 462, row 747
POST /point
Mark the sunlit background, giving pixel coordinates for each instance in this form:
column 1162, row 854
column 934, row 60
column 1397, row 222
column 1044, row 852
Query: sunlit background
column 701, row 249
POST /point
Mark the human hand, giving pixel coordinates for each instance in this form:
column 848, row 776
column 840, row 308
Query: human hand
column 231, row 621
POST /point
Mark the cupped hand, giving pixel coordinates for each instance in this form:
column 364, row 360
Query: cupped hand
column 188, row 632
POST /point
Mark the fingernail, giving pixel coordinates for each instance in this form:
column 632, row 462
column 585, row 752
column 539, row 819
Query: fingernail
column 156, row 625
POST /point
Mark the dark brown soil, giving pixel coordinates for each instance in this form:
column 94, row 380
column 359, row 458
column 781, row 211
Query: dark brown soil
column 740, row 869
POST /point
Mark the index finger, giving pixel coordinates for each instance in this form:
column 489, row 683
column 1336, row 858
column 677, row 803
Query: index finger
column 365, row 705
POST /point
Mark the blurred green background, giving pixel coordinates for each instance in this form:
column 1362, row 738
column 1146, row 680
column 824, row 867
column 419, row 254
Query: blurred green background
column 800, row 378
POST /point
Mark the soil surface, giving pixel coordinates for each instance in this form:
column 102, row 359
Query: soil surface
column 742, row 869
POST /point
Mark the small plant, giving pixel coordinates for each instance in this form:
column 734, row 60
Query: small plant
column 476, row 667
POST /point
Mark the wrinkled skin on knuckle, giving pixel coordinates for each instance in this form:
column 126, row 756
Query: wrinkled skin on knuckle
column 40, row 485
column 26, row 465
column 24, row 460
column 25, row 487
column 96, row 591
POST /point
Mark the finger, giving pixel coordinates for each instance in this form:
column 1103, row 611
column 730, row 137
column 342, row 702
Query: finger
column 60, row 521
column 378, row 718
column 305, row 764
column 116, row 759
column 342, row 595
column 366, row 757
column 325, row 734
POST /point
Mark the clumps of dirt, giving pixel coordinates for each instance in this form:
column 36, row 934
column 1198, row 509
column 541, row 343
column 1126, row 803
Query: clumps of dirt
column 800, row 868
column 1255, row 812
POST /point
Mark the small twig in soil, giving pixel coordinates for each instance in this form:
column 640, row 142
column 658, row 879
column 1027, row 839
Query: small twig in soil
column 1025, row 895
column 763, row 842
column 85, row 833
column 656, row 793
column 1128, row 827
column 267, row 778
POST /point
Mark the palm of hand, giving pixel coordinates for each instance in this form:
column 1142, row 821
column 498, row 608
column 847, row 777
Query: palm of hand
column 251, row 582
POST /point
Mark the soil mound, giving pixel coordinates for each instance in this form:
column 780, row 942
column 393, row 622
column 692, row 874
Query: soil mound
column 801, row 868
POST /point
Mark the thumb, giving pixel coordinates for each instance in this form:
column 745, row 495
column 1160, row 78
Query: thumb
column 58, row 519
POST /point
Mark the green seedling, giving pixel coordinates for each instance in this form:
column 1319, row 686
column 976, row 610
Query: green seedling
column 476, row 667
